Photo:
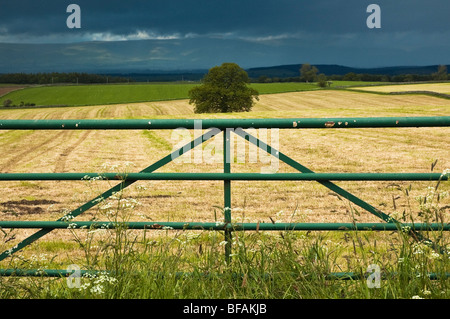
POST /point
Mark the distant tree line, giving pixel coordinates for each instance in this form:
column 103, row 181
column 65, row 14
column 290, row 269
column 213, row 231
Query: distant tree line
column 310, row 73
column 56, row 77
column 307, row 73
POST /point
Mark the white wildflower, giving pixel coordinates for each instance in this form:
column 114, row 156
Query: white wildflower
column 106, row 206
column 67, row 218
column 237, row 243
column 396, row 215
column 85, row 286
column 141, row 188
column 97, row 289
column 434, row 255
column 40, row 272
column 97, row 281
column 128, row 163
column 72, row 226
column 10, row 251
column 446, row 172
column 419, row 248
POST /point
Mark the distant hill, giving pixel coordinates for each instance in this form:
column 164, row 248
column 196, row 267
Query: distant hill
column 282, row 71
column 292, row 70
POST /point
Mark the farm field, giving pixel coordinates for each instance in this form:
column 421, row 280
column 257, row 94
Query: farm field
column 429, row 87
column 353, row 150
column 389, row 150
column 76, row 95
column 7, row 88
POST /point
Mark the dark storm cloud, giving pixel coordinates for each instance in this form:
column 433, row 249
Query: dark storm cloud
column 202, row 33
column 262, row 17
column 185, row 16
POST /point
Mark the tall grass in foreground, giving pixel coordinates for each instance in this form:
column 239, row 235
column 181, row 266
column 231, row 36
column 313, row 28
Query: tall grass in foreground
column 283, row 265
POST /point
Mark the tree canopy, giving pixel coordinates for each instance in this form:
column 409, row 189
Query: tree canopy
column 441, row 74
column 308, row 73
column 224, row 89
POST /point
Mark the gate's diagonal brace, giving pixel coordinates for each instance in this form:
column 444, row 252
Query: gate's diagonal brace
column 352, row 198
column 167, row 159
column 291, row 162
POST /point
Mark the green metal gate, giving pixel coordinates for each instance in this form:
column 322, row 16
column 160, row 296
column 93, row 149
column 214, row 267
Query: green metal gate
column 225, row 127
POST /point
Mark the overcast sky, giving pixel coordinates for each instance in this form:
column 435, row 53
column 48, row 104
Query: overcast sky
column 189, row 34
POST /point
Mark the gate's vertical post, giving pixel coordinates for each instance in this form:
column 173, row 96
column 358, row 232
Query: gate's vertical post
column 227, row 192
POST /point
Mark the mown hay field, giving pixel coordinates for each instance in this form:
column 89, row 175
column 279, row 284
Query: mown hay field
column 324, row 150
column 430, row 87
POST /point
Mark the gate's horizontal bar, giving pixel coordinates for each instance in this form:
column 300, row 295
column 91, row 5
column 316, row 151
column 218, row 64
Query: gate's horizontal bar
column 222, row 226
column 47, row 272
column 81, row 273
column 225, row 176
column 282, row 123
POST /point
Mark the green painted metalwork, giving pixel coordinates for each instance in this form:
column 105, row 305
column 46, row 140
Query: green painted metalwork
column 227, row 192
column 44, row 272
column 224, row 176
column 64, row 273
column 60, row 273
column 226, row 126
column 167, row 159
column 338, row 190
column 294, row 164
column 282, row 123
column 224, row 226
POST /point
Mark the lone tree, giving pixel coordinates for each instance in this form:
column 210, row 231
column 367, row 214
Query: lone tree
column 224, row 89
column 308, row 73
column 441, row 74
column 322, row 80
